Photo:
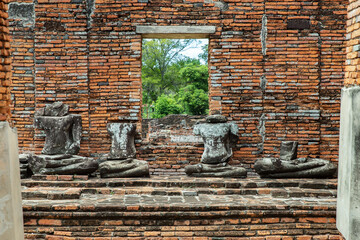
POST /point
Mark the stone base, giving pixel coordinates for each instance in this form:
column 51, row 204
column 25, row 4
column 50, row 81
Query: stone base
column 348, row 200
column 62, row 164
column 11, row 217
column 215, row 170
column 297, row 168
column 124, row 168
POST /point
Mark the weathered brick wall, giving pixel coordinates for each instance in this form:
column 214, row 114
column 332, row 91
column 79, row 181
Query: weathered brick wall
column 352, row 76
column 5, row 69
column 331, row 75
column 50, row 63
column 245, row 225
column 21, row 15
column 170, row 144
column 276, row 68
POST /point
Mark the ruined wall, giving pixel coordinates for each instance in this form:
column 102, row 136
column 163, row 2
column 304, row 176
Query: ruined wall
column 169, row 144
column 5, row 68
column 50, row 63
column 276, row 68
column 352, row 64
column 22, row 19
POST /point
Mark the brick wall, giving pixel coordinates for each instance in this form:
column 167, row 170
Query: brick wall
column 23, row 70
column 169, row 144
column 352, row 76
column 5, row 69
column 276, row 68
column 244, row 225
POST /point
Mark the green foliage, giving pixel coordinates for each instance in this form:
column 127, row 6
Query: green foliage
column 173, row 83
column 160, row 66
column 196, row 75
column 166, row 105
column 195, row 101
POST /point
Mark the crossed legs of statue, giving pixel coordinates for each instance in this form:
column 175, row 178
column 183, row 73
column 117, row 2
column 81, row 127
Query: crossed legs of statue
column 215, row 170
column 124, row 168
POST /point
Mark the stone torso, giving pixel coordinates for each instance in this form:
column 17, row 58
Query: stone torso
column 60, row 137
column 122, row 145
column 216, row 139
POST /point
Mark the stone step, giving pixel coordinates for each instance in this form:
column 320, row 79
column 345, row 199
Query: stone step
column 75, row 193
column 108, row 216
column 157, row 203
column 51, row 193
column 221, row 208
column 176, row 182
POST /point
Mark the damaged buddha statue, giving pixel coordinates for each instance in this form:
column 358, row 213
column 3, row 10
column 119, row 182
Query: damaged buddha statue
column 289, row 166
column 218, row 136
column 62, row 143
column 121, row 160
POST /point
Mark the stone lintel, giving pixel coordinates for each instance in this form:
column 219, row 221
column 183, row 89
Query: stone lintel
column 11, row 217
column 181, row 32
column 348, row 197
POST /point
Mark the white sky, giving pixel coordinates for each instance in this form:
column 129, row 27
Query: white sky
column 196, row 50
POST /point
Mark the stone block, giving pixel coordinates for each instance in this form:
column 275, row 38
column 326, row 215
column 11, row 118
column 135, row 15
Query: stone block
column 348, row 201
column 175, row 31
column 11, row 218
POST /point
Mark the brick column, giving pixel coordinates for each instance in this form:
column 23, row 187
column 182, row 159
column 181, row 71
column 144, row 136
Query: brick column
column 5, row 70
column 348, row 209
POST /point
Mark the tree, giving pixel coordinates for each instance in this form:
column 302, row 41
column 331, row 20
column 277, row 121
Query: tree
column 172, row 82
column 196, row 75
column 158, row 62
column 193, row 100
column 166, row 105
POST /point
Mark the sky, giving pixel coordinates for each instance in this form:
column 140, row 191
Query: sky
column 195, row 50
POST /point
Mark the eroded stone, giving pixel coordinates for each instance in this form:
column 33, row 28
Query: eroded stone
column 348, row 194
column 288, row 166
column 62, row 143
column 216, row 119
column 122, row 140
column 120, row 162
column 63, row 134
column 124, row 168
column 218, row 136
column 62, row 164
column 215, row 170
column 57, row 109
column 218, row 139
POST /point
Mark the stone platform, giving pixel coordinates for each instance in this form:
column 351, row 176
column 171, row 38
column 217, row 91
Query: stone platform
column 74, row 207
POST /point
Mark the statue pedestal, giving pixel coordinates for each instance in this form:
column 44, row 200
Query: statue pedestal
column 11, row 217
column 348, row 197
